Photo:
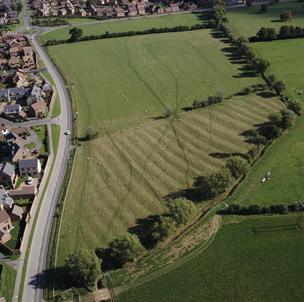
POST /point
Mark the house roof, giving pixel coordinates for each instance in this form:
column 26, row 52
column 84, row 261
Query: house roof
column 36, row 91
column 18, row 211
column 24, row 190
column 47, row 87
column 14, row 92
column 28, row 163
column 20, row 130
column 38, row 106
column 3, row 216
column 7, row 169
column 15, row 107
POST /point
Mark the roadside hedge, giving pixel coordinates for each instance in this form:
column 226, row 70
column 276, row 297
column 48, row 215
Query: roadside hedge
column 109, row 35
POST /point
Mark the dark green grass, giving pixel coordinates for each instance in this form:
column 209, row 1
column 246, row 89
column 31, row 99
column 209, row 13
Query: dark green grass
column 238, row 266
column 247, row 21
column 7, row 282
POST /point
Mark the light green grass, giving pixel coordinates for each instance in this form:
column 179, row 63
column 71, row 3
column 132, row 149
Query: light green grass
column 248, row 21
column 287, row 63
column 7, row 282
column 14, row 233
column 131, row 78
column 41, row 132
column 125, row 25
column 239, row 266
column 76, row 21
column 284, row 159
column 56, row 109
column 55, row 137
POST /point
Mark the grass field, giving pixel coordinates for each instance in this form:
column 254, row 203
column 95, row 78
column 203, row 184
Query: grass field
column 287, row 63
column 129, row 172
column 247, row 21
column 137, row 77
column 7, row 282
column 238, row 266
column 124, row 25
column 285, row 161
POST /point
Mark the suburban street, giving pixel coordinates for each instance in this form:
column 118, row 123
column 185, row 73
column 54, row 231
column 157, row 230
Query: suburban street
column 37, row 248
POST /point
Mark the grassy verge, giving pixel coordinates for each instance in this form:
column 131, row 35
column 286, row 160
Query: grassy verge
column 41, row 132
column 7, row 282
column 56, row 109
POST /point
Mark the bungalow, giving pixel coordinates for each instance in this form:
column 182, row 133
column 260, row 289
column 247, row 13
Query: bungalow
column 5, row 226
column 29, row 167
column 37, row 109
column 8, row 177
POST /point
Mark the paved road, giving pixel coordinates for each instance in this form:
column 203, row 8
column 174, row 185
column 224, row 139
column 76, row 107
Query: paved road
column 38, row 250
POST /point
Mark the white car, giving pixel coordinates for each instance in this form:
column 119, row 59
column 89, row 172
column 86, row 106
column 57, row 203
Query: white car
column 29, row 180
column 68, row 132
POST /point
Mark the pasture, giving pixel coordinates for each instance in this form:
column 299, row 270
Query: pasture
column 129, row 172
column 123, row 25
column 130, row 79
column 248, row 21
column 287, row 63
column 238, row 266
column 284, row 158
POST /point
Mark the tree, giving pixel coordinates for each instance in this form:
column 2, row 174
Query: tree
column 279, row 87
column 219, row 13
column 91, row 133
column 126, row 248
column 163, row 228
column 288, row 118
column 237, row 166
column 260, row 65
column 264, row 8
column 168, row 112
column 271, row 132
column 256, row 138
column 181, row 210
column 216, row 183
column 84, row 267
column 286, row 16
column 295, row 106
column 275, row 118
column 75, row 34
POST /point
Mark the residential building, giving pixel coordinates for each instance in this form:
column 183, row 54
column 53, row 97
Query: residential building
column 5, row 200
column 8, row 176
column 120, row 12
column 17, row 213
column 29, row 167
column 37, row 109
column 5, row 226
column 12, row 109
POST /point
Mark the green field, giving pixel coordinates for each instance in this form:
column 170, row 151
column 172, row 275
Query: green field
column 248, row 21
column 7, row 282
column 124, row 25
column 285, row 161
column 287, row 63
column 131, row 78
column 238, row 266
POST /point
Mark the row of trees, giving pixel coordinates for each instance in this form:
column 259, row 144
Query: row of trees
column 76, row 34
column 235, row 209
column 49, row 22
column 285, row 32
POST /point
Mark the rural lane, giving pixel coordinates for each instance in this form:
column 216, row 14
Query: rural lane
column 37, row 250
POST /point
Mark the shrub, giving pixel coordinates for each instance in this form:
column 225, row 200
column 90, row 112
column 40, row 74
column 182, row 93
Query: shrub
column 237, row 166
column 264, row 8
column 126, row 248
column 162, row 228
column 295, row 106
column 271, row 132
column 288, row 118
column 279, row 87
column 286, row 16
column 181, row 210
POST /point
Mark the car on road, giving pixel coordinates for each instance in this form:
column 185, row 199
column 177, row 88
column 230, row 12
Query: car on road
column 68, row 132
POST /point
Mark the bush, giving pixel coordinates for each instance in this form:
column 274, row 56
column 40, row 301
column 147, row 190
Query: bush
column 271, row 132
column 215, row 184
column 162, row 228
column 295, row 106
column 264, row 8
column 181, row 210
column 286, row 16
column 237, row 166
column 126, row 248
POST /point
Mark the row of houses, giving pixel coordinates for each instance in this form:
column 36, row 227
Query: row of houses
column 27, row 94
column 9, row 11
column 20, row 171
column 106, row 8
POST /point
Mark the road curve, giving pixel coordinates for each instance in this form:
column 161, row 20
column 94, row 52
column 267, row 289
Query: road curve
column 32, row 290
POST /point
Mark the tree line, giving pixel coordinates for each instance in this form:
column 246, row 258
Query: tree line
column 76, row 34
column 236, row 209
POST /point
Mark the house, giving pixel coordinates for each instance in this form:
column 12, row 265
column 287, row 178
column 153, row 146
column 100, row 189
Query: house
column 63, row 12
column 141, row 7
column 12, row 109
column 82, row 12
column 14, row 62
column 47, row 90
column 37, row 109
column 5, row 200
column 5, row 226
column 28, row 51
column 20, row 131
column 174, row 7
column 35, row 95
column 28, row 63
column 108, row 12
column 8, row 177
column 17, row 213
column 25, row 192
column 18, row 152
column 29, row 167
column 120, row 12
column 3, row 129
column 132, row 10
column 15, row 93
column 14, row 51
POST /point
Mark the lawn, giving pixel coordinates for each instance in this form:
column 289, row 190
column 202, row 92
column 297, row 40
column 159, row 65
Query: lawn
column 41, row 132
column 287, row 63
column 123, row 25
column 127, row 79
column 238, row 266
column 7, row 282
column 247, row 21
column 55, row 137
